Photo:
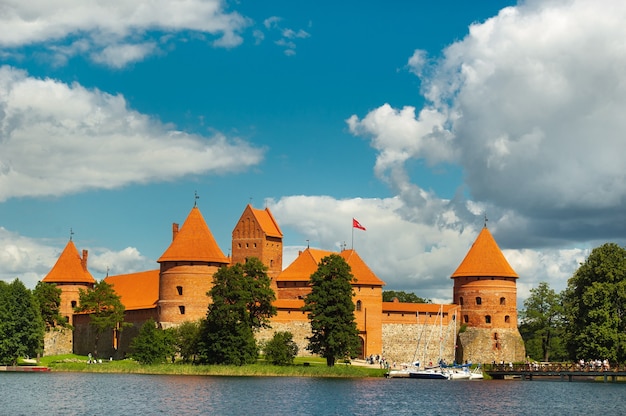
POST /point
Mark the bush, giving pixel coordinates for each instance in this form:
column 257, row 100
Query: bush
column 281, row 349
column 152, row 345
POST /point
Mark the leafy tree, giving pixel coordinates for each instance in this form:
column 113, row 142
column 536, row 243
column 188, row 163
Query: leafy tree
column 187, row 338
column 595, row 304
column 152, row 345
column 241, row 303
column 406, row 297
column 542, row 324
column 48, row 295
column 331, row 311
column 104, row 307
column 21, row 326
column 281, row 349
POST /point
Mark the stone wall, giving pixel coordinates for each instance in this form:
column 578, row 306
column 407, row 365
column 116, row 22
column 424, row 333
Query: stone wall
column 404, row 343
column 58, row 342
column 299, row 329
column 482, row 345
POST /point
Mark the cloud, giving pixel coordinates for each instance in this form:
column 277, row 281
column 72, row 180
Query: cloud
column 530, row 105
column 114, row 32
column 417, row 254
column 58, row 139
column 287, row 36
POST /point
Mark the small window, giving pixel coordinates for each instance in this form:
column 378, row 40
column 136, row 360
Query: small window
column 358, row 305
column 502, row 301
column 73, row 304
column 495, row 336
column 179, row 289
column 465, row 318
column 479, row 301
column 461, row 300
column 181, row 308
column 507, row 319
column 488, row 319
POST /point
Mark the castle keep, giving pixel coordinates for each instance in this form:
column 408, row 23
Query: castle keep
column 480, row 326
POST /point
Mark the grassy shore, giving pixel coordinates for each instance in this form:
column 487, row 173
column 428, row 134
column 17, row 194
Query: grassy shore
column 303, row 367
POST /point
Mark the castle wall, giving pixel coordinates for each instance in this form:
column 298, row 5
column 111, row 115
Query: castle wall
column 58, row 341
column 487, row 302
column 483, row 345
column 407, row 342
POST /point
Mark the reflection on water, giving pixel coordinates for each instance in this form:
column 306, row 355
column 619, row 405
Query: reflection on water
column 118, row 394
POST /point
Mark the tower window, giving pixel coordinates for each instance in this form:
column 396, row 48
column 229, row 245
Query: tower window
column 488, row 319
column 358, row 305
column 73, row 304
column 503, row 301
column 181, row 308
column 465, row 318
column 507, row 318
column 479, row 301
column 179, row 289
column 461, row 300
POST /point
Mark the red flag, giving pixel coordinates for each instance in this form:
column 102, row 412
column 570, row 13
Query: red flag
column 356, row 224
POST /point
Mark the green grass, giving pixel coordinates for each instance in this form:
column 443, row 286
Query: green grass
column 303, row 367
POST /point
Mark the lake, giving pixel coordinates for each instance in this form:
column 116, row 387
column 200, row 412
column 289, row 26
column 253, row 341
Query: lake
column 130, row 394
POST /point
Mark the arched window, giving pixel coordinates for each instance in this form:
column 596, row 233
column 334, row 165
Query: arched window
column 507, row 318
column 488, row 319
column 358, row 305
column 503, row 301
column 479, row 301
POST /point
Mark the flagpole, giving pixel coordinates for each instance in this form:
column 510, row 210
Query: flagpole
column 352, row 236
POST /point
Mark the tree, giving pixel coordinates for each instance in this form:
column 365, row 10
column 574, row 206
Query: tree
column 542, row 324
column 595, row 304
column 105, row 309
column 152, row 345
column 187, row 338
column 406, row 297
column 21, row 326
column 331, row 311
column 241, row 303
column 281, row 349
column 48, row 296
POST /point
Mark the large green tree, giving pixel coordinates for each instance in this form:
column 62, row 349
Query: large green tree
column 105, row 309
column 542, row 324
column 48, row 295
column 21, row 326
column 331, row 311
column 241, row 303
column 595, row 305
column 281, row 349
column 187, row 337
column 402, row 296
column 152, row 345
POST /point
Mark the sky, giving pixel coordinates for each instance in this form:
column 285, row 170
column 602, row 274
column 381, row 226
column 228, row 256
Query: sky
column 422, row 120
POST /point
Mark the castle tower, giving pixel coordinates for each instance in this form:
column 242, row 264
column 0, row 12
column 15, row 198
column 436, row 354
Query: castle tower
column 485, row 289
column 70, row 274
column 257, row 234
column 186, row 272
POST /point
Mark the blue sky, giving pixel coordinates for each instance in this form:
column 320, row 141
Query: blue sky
column 416, row 118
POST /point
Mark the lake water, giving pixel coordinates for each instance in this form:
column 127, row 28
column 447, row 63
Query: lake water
column 114, row 394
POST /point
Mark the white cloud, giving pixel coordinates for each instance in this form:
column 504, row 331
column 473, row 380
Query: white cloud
column 58, row 139
column 103, row 25
column 530, row 104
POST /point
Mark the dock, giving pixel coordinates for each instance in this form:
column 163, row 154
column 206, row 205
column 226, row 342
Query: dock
column 25, row 368
column 562, row 372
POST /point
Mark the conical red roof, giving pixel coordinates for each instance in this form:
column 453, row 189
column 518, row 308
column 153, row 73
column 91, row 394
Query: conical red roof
column 69, row 268
column 194, row 242
column 308, row 261
column 484, row 259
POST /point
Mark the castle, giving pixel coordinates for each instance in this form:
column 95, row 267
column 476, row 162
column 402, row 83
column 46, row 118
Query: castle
column 480, row 326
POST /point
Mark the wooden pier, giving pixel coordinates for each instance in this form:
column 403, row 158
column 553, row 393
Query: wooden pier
column 556, row 371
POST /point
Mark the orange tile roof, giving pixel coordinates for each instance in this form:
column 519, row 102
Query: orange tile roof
column 307, row 262
column 194, row 242
column 136, row 290
column 484, row 259
column 69, row 268
column 267, row 222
